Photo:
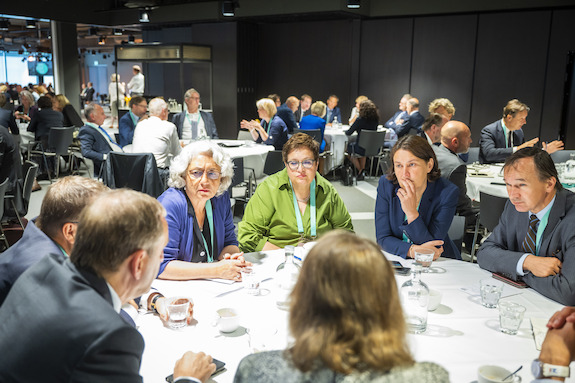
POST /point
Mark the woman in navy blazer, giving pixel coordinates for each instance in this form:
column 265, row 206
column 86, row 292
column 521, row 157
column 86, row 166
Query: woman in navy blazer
column 415, row 206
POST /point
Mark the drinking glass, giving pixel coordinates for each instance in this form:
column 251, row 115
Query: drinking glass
column 510, row 317
column 178, row 311
column 424, row 257
column 490, row 292
column 250, row 281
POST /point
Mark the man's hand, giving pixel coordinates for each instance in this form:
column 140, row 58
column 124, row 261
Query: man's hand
column 196, row 365
column 542, row 266
column 529, row 143
column 559, row 346
column 553, row 146
column 567, row 315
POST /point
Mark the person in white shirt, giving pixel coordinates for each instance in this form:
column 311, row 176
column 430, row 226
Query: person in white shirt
column 158, row 136
column 136, row 84
column 195, row 123
column 116, row 91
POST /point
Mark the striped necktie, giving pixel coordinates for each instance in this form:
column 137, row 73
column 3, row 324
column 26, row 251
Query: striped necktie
column 530, row 244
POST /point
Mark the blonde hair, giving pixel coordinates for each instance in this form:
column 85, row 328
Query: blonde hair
column 318, row 108
column 449, row 108
column 62, row 100
column 268, row 105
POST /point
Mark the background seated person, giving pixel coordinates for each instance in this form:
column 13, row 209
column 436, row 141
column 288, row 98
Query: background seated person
column 71, row 117
column 44, row 119
column 332, row 110
column 294, row 204
column 338, row 337
column 355, row 110
column 194, row 123
column 200, row 222
column 315, row 121
column 127, row 124
column 442, row 106
column 415, row 206
column 368, row 119
column 272, row 130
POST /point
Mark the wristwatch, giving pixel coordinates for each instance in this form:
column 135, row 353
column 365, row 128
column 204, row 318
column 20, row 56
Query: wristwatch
column 545, row 370
column 153, row 304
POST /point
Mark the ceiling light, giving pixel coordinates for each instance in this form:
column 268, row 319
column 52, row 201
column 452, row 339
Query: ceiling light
column 228, row 8
column 4, row 24
column 30, row 24
column 101, row 40
column 144, row 16
column 118, row 32
column 31, row 58
column 353, row 4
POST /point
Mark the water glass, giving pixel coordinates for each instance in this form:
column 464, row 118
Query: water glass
column 424, row 258
column 251, row 281
column 510, row 317
column 177, row 308
column 261, row 337
column 490, row 292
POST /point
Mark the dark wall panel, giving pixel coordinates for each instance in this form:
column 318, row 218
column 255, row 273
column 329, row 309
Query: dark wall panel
column 443, row 59
column 385, row 63
column 511, row 59
column 562, row 41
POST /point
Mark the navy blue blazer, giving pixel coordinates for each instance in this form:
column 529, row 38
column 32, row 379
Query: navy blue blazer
column 391, row 122
column 336, row 112
column 436, row 211
column 126, row 127
column 8, row 121
column 288, row 117
column 94, row 146
column 492, row 143
column 277, row 135
column 209, row 123
column 43, row 120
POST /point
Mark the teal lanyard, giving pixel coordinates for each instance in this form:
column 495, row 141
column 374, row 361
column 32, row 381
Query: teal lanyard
column 540, row 230
column 190, row 120
column 300, row 229
column 405, row 238
column 210, row 217
column 135, row 119
column 505, row 134
column 269, row 125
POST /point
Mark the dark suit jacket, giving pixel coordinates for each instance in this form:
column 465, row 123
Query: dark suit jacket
column 391, row 122
column 67, row 327
column 94, row 146
column 335, row 113
column 126, row 128
column 8, row 121
column 436, row 211
column 492, row 143
column 277, row 135
column 502, row 250
column 288, row 117
column 455, row 170
column 298, row 115
column 209, row 123
column 89, row 94
column 33, row 246
column 43, row 120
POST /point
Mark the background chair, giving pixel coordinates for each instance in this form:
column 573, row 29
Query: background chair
column 562, row 156
column 239, row 180
column 30, row 169
column 490, row 209
column 371, row 141
column 274, row 162
column 3, row 187
column 473, row 155
column 315, row 133
column 137, row 171
column 457, row 231
column 244, row 135
column 59, row 141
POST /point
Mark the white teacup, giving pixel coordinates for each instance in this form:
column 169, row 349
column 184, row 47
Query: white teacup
column 434, row 299
column 495, row 374
column 228, row 320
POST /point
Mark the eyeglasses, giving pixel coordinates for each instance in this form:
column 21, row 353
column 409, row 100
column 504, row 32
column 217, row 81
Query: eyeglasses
column 212, row 174
column 142, row 105
column 294, row 165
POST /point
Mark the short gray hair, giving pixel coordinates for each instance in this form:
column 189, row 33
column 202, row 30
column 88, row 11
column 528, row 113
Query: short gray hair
column 89, row 109
column 189, row 93
column 181, row 162
column 157, row 106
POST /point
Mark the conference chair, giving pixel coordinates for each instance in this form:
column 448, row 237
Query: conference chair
column 59, row 141
column 3, row 187
column 473, row 155
column 457, row 231
column 274, row 162
column 136, row 171
column 372, row 142
column 490, row 209
column 239, row 180
column 244, row 135
column 20, row 207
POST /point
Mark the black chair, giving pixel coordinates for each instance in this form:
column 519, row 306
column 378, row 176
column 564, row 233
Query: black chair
column 490, row 209
column 372, row 142
column 137, row 171
column 315, row 133
column 473, row 155
column 457, row 231
column 30, row 169
column 3, row 187
column 562, row 156
column 274, row 162
column 239, row 180
column 59, row 141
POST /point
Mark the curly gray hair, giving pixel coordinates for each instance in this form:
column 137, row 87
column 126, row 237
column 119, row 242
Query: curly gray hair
column 181, row 162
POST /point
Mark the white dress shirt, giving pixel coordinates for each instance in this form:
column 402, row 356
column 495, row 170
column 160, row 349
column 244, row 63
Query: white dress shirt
column 187, row 127
column 136, row 84
column 159, row 137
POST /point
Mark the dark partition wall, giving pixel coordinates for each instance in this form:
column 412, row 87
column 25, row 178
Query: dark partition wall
column 443, row 59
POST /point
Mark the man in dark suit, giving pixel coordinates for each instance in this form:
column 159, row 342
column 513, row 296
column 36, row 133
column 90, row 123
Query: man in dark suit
column 400, row 115
column 304, row 107
column 534, row 238
column 332, row 110
column 70, row 326
column 95, row 142
column 45, row 119
column 503, row 137
column 52, row 232
column 7, row 118
column 413, row 119
column 286, row 113
column 127, row 124
column 431, row 128
column 194, row 123
column 90, row 93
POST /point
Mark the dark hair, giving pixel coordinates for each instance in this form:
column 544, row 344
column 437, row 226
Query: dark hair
column 135, row 101
column 419, row 147
column 513, row 107
column 2, row 100
column 368, row 111
column 433, row 119
column 275, row 97
column 299, row 141
column 542, row 160
column 44, row 102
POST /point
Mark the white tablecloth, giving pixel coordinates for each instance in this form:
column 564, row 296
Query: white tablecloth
column 485, row 178
column 462, row 334
column 254, row 154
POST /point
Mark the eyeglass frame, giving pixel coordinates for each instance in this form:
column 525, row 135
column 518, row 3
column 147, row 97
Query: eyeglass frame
column 192, row 176
column 298, row 163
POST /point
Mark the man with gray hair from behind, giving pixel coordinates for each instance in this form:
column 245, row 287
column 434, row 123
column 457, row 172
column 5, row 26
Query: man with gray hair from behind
column 158, row 136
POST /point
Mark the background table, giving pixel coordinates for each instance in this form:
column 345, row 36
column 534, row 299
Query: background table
column 461, row 336
column 254, row 154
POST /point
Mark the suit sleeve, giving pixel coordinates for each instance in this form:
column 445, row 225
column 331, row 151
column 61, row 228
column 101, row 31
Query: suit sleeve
column 212, row 124
column 489, row 149
column 384, row 220
column 87, row 142
column 458, row 177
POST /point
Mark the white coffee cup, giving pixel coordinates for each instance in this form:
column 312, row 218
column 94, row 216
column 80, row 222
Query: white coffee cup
column 495, row 374
column 228, row 320
column 434, row 299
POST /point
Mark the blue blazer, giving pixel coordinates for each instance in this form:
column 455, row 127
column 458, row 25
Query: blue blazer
column 312, row 122
column 209, row 123
column 288, row 117
column 126, row 127
column 94, row 146
column 436, row 211
column 391, row 122
column 181, row 226
column 492, row 143
column 278, row 134
column 336, row 112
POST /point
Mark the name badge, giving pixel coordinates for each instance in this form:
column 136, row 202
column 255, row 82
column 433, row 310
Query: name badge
column 202, row 253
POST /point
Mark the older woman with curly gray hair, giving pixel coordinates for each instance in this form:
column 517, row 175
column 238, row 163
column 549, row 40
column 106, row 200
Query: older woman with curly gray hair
column 202, row 242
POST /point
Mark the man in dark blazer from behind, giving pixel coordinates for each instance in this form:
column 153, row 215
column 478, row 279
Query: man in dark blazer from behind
column 286, row 113
column 194, row 123
column 70, row 329
column 534, row 240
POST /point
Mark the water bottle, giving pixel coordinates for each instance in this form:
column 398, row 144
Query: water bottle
column 415, row 298
column 286, row 278
column 335, row 124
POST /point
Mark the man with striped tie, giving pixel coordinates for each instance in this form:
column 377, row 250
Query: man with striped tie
column 535, row 238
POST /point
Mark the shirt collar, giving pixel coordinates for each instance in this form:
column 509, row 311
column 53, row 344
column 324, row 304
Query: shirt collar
column 116, row 302
column 544, row 211
column 92, row 125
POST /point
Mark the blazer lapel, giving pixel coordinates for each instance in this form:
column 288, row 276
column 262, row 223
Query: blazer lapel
column 426, row 201
column 555, row 215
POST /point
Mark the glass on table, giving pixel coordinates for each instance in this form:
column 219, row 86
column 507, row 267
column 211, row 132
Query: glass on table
column 490, row 292
column 510, row 317
column 424, row 258
column 177, row 308
column 250, row 281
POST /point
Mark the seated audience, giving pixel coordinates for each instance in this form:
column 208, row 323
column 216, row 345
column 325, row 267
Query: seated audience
column 293, row 205
column 304, row 107
column 442, row 106
column 401, row 115
column 355, row 110
column 71, row 117
column 276, row 99
column 96, row 143
column 415, row 206
column 315, row 121
column 127, row 124
column 27, row 108
column 7, row 118
column 286, row 113
column 70, row 324
column 533, row 241
column 431, row 129
column 368, row 119
column 342, row 330
column 195, row 123
column 412, row 121
column 10, row 163
column 44, row 119
column 202, row 242
column 332, row 110
column 502, row 138
column 272, row 130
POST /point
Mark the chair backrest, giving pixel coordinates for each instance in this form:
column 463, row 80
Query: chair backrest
column 274, row 162
column 413, row 131
column 3, row 188
column 457, row 231
column 561, row 156
column 244, row 135
column 315, row 133
column 473, row 155
column 137, row 171
column 371, row 141
column 238, row 177
column 30, row 170
column 60, row 139
column 491, row 207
